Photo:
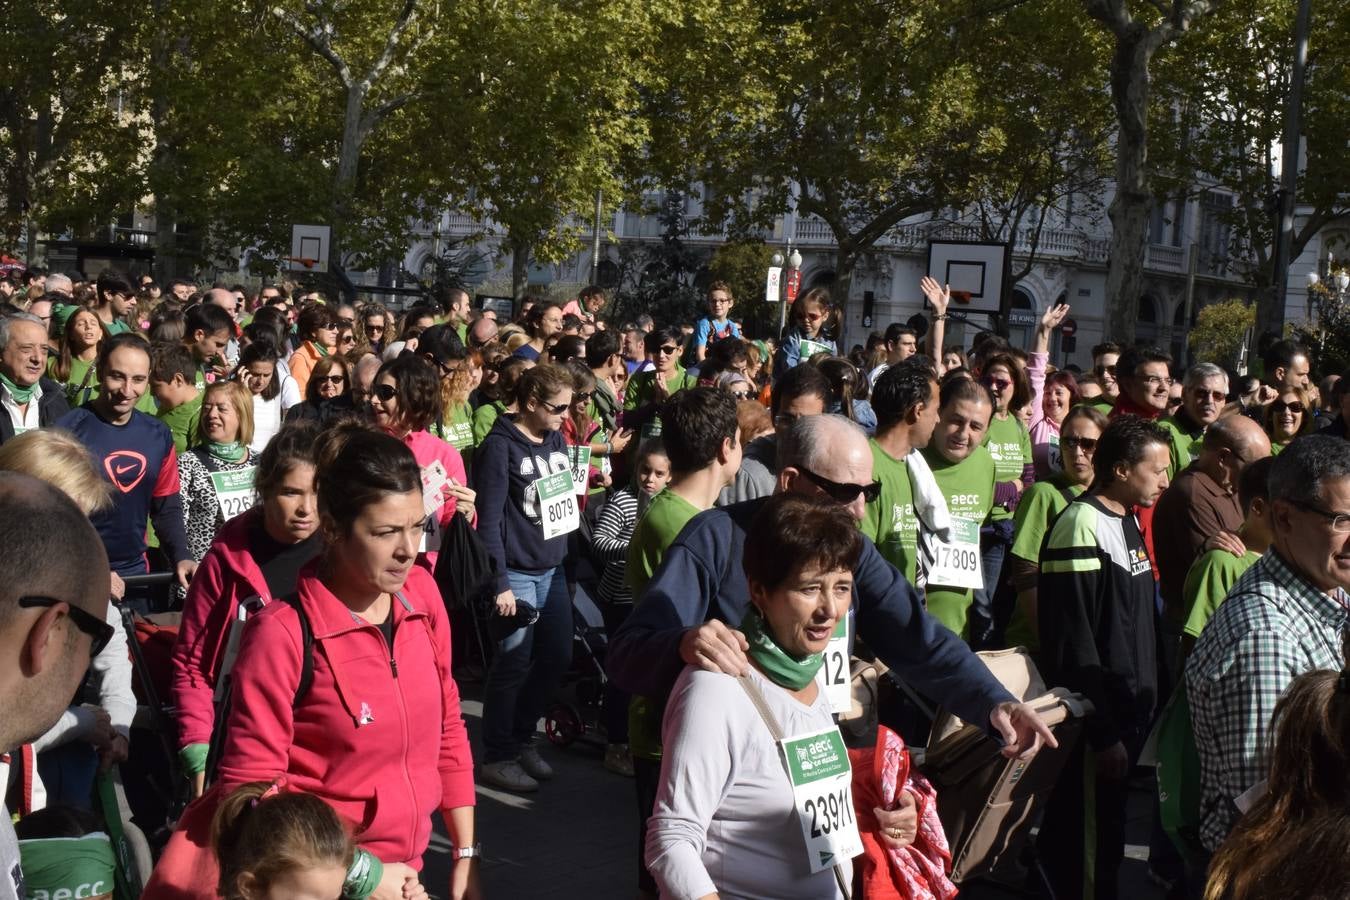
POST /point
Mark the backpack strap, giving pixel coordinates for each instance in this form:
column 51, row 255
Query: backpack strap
column 306, row 650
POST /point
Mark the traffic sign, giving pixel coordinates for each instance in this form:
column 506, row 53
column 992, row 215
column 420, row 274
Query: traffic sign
column 1068, row 328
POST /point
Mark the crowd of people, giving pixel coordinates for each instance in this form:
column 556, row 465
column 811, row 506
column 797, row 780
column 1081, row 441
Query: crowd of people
column 1172, row 544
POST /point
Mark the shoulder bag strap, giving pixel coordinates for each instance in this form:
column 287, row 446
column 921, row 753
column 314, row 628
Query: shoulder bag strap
column 762, row 707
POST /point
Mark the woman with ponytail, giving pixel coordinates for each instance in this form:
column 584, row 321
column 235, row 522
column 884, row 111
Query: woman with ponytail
column 345, row 687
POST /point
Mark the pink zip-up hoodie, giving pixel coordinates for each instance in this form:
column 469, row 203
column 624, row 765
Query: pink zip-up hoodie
column 227, row 576
column 379, row 736
column 427, row 448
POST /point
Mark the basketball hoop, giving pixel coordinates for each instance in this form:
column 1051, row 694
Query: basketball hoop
column 305, row 261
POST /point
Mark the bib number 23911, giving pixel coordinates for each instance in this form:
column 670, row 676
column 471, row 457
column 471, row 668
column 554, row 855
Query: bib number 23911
column 822, row 791
column 558, row 511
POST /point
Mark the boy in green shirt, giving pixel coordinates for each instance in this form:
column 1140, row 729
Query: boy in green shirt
column 173, row 384
column 964, row 470
column 646, row 391
column 1212, row 576
column 702, row 440
column 905, row 400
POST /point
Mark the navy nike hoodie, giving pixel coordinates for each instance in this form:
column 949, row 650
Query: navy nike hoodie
column 505, row 467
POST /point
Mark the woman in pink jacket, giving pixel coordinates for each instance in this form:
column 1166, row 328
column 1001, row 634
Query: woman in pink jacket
column 405, row 399
column 346, row 693
column 255, row 558
column 1051, row 398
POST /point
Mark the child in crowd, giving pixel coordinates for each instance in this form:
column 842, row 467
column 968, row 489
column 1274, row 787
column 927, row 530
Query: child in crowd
column 610, row 544
column 65, row 853
column 808, row 333
column 272, row 844
column 716, row 325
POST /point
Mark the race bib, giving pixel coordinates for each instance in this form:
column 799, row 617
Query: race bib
column 809, row 349
column 234, row 491
column 958, row 560
column 434, row 480
column 1053, row 455
column 558, row 512
column 580, row 459
column 835, row 676
column 822, row 792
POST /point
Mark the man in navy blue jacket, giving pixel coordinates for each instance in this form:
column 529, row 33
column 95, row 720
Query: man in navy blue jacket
column 682, row 618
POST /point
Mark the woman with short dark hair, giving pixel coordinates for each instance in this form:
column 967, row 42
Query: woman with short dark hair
column 328, row 396
column 317, row 329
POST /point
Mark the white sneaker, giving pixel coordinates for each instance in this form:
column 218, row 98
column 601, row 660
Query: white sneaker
column 508, row 775
column 534, row 764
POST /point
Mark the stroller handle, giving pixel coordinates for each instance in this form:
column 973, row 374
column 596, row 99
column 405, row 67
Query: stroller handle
column 152, row 579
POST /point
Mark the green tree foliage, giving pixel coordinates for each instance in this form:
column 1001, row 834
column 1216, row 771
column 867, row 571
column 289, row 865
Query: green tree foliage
column 1220, row 119
column 71, row 139
column 744, row 265
column 1220, row 331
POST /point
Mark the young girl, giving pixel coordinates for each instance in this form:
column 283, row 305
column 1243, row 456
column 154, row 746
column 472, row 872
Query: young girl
column 612, row 534
column 809, row 332
column 73, row 365
column 525, row 517
column 273, row 845
column 580, row 431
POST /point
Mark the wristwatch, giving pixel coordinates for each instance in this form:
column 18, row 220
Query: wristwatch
column 474, row 852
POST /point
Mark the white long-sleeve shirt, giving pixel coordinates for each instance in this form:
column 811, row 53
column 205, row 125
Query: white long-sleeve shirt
column 112, row 675
column 724, row 820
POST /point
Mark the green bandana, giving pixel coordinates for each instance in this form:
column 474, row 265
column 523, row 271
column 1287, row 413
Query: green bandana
column 320, row 349
column 782, row 668
column 68, row 867
column 232, row 452
column 21, row 395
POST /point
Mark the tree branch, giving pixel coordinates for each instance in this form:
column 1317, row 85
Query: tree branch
column 317, row 38
column 405, row 18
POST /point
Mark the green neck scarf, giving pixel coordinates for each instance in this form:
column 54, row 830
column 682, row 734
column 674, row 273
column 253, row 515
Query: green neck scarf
column 21, row 395
column 782, row 668
column 232, row 452
column 320, row 349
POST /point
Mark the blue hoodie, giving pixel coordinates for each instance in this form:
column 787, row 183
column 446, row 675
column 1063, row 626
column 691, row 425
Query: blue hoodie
column 701, row 578
column 505, row 468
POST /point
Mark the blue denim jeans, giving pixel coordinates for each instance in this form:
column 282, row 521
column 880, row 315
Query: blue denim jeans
column 995, row 541
column 528, row 664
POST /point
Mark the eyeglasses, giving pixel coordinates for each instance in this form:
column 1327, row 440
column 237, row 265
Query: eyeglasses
column 374, row 329
column 334, row 379
column 1104, row 370
column 1340, row 522
column 842, row 492
column 580, row 397
column 556, row 409
column 328, row 326
column 99, row 631
column 385, row 392
column 742, row 395
column 1202, row 394
column 667, row 351
column 1294, row 407
column 996, row 384
column 1154, row 381
column 1087, row 445
column 348, row 339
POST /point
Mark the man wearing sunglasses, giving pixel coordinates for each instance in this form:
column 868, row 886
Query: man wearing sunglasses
column 682, row 617
column 51, row 621
column 1204, row 394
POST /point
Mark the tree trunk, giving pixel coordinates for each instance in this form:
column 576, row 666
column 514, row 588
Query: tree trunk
column 1133, row 201
column 520, row 267
column 349, row 160
column 844, row 267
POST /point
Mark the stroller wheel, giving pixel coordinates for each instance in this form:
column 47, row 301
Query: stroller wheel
column 562, row 724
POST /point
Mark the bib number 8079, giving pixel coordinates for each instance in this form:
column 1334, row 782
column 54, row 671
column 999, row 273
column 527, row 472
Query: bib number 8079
column 560, row 511
column 830, row 812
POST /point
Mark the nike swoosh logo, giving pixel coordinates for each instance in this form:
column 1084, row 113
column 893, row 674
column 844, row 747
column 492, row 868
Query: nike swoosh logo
column 122, row 470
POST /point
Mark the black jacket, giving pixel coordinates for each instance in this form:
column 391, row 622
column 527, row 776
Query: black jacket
column 51, row 403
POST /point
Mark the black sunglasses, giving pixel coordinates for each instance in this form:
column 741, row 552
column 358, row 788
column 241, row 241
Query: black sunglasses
column 333, row 379
column 1087, row 445
column 99, row 631
column 554, row 408
column 581, row 396
column 666, row 351
column 385, row 392
column 841, row 492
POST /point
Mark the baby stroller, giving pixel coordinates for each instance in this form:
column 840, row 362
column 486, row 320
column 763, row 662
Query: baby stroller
column 577, row 707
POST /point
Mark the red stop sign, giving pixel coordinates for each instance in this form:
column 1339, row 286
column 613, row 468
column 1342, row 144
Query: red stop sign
column 1068, row 328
